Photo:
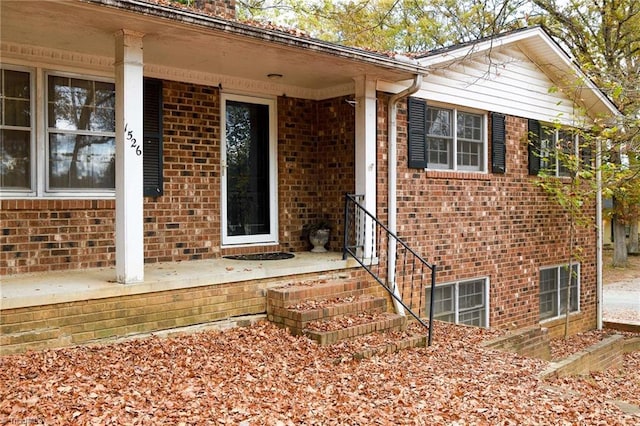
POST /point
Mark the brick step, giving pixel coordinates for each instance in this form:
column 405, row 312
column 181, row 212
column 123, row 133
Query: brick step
column 326, row 332
column 282, row 297
column 297, row 317
column 376, row 344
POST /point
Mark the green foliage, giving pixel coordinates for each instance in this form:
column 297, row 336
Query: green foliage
column 408, row 26
column 604, row 37
column 576, row 189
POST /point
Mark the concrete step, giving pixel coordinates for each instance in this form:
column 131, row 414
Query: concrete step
column 343, row 327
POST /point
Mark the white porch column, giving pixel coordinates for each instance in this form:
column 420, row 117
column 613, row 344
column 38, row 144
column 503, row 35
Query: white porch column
column 366, row 118
column 129, row 184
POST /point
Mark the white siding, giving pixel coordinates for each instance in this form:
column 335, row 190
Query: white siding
column 504, row 81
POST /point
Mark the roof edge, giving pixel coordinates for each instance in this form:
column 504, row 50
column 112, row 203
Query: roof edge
column 232, row 27
column 458, row 52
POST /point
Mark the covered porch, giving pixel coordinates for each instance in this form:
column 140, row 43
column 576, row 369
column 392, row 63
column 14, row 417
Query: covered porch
column 322, row 133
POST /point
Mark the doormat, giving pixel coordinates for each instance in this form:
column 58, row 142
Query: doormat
column 277, row 255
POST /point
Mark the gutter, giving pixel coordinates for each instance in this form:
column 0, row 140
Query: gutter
column 392, row 169
column 599, row 236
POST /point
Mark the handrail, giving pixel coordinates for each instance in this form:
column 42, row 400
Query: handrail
column 366, row 238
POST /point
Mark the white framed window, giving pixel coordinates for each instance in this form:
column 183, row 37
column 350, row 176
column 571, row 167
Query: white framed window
column 557, row 151
column 553, row 142
column 81, row 140
column 456, row 139
column 462, row 302
column 553, row 290
column 17, row 136
column 70, row 150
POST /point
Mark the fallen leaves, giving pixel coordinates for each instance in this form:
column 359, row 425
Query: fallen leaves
column 323, row 303
column 261, row 375
column 344, row 321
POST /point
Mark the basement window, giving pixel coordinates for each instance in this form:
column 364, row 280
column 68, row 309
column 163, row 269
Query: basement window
column 553, row 291
column 463, row 302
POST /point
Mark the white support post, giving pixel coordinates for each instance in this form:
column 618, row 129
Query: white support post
column 366, row 120
column 129, row 176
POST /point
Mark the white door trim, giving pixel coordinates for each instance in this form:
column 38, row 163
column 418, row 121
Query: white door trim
column 272, row 236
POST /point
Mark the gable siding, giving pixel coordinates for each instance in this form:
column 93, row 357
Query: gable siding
column 507, row 82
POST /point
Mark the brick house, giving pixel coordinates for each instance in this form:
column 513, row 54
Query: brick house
column 248, row 134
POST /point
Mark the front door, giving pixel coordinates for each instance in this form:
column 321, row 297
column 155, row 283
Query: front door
column 249, row 203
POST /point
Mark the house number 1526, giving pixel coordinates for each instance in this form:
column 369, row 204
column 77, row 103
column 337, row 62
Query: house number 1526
column 128, row 137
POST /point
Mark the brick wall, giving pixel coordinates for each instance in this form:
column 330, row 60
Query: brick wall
column 336, row 150
column 315, row 168
column 604, row 355
column 184, row 223
column 578, row 322
column 48, row 235
column 503, row 227
column 530, row 342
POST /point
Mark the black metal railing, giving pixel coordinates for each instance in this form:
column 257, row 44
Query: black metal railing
column 366, row 239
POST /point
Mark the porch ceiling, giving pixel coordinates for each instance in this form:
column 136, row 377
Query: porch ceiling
column 177, row 38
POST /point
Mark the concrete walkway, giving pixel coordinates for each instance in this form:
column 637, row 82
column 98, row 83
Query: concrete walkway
column 621, row 301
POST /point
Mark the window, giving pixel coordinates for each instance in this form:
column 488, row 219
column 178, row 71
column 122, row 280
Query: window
column 446, row 138
column 16, row 123
column 76, row 135
column 81, row 134
column 556, row 145
column 463, row 302
column 552, row 149
column 553, row 290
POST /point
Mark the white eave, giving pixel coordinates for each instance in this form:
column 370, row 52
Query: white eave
column 542, row 50
column 194, row 46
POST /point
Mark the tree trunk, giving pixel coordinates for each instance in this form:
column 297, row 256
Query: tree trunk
column 619, row 237
column 633, row 248
column 619, row 244
column 567, row 306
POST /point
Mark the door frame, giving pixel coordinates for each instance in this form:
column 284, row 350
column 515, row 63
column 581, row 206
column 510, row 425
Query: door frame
column 272, row 236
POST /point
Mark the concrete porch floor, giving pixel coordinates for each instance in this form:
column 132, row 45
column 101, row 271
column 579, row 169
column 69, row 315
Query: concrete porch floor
column 40, row 289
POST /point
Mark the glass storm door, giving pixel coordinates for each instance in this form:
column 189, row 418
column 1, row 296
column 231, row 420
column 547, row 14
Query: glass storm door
column 248, row 162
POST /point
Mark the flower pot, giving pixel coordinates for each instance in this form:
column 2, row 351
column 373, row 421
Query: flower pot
column 319, row 238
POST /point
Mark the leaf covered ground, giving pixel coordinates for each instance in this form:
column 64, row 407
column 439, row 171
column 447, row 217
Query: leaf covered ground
column 261, row 375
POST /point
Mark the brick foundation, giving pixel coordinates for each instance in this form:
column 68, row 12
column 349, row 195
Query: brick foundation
column 72, row 323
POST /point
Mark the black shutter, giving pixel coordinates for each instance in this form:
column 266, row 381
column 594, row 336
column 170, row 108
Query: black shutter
column 417, row 132
column 586, row 153
column 534, row 147
column 498, row 143
column 152, row 136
